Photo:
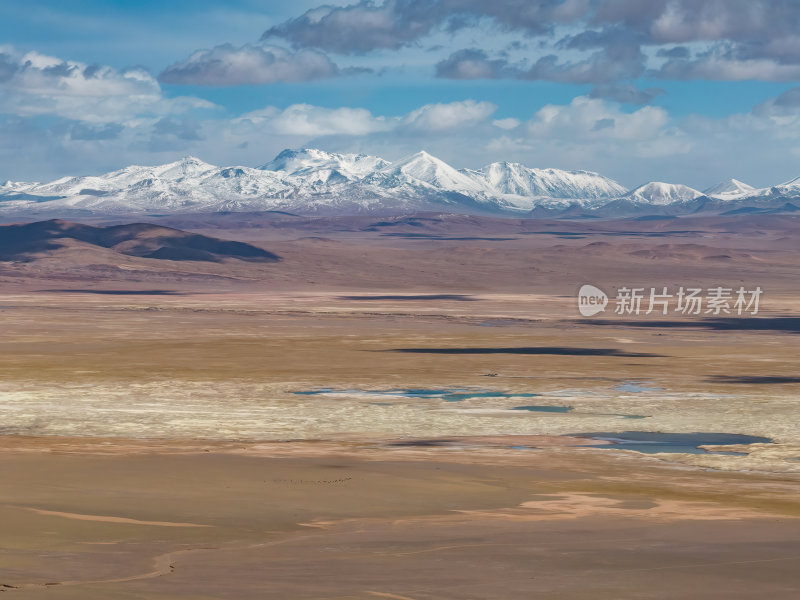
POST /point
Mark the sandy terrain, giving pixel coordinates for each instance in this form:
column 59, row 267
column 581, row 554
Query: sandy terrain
column 156, row 445
column 299, row 521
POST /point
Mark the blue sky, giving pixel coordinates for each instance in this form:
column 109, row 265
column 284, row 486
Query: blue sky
column 683, row 91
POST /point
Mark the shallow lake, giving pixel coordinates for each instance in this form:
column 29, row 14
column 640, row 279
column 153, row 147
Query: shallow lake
column 651, row 442
column 446, row 394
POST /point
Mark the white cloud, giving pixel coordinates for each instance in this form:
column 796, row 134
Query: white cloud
column 40, row 74
column 760, row 37
column 593, row 119
column 227, row 65
column 36, row 84
column 714, row 67
column 443, row 117
column 509, row 123
column 308, row 120
column 317, row 121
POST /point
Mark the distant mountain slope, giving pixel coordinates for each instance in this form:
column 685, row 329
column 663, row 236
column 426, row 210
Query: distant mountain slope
column 324, row 167
column 316, row 182
column 732, row 188
column 519, row 180
column 657, row 193
column 422, row 169
column 26, row 242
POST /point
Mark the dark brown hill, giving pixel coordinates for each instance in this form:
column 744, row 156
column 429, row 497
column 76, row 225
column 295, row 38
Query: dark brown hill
column 26, row 242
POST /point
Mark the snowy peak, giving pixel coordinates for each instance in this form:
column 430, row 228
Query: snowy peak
column 311, row 161
column 13, row 186
column 519, row 180
column 425, row 170
column 729, row 189
column 186, row 169
column 659, row 193
column 188, row 166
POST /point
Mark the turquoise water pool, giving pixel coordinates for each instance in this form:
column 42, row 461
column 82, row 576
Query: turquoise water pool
column 651, row 442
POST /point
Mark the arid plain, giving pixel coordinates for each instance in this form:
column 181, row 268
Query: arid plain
column 397, row 408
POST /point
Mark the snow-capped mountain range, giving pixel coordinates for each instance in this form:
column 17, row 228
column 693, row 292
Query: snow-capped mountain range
column 312, row 181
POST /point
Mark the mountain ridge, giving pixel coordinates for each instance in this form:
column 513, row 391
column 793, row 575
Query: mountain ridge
column 314, row 181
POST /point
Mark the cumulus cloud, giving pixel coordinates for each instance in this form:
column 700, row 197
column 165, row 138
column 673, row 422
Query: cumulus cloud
column 474, row 63
column 600, row 67
column 611, row 59
column 590, row 118
column 360, row 27
column 228, row 65
column 740, row 20
column 727, row 62
column 508, row 123
column 308, row 120
column 367, row 26
column 35, row 84
column 391, row 24
column 763, row 36
column 449, row 116
column 603, row 69
column 36, row 73
column 316, row 121
column 748, row 39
